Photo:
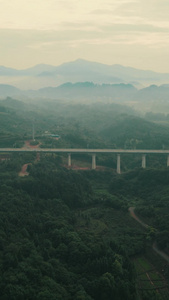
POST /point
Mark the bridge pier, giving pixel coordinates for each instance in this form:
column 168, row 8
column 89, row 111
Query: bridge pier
column 168, row 161
column 69, row 160
column 118, row 164
column 143, row 161
column 93, row 161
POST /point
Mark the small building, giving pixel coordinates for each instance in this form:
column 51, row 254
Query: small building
column 52, row 135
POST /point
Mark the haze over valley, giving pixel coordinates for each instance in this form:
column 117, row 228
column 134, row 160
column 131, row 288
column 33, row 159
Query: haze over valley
column 88, row 82
column 84, row 150
column 80, row 70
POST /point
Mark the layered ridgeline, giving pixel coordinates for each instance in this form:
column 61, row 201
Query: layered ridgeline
column 87, row 92
column 79, row 71
column 85, row 81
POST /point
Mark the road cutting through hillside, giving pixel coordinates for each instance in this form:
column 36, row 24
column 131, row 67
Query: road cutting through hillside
column 23, row 171
column 155, row 248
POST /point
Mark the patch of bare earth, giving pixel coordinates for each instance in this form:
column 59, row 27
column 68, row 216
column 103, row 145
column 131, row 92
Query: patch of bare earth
column 23, row 171
column 28, row 145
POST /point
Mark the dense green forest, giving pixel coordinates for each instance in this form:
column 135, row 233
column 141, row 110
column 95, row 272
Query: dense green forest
column 68, row 234
column 79, row 125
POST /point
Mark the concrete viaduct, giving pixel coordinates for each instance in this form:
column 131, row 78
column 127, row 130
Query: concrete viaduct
column 92, row 151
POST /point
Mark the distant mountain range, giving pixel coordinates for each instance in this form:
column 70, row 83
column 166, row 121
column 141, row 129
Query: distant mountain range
column 82, row 80
column 41, row 76
column 89, row 92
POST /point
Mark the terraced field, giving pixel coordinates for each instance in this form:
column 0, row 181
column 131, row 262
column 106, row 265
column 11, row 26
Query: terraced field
column 149, row 279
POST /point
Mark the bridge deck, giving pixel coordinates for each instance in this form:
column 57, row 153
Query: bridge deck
column 63, row 150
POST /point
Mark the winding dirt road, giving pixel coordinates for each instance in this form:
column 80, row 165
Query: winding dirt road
column 23, row 172
column 155, row 248
column 132, row 213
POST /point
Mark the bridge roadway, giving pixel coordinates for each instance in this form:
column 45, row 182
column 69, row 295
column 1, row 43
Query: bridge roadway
column 71, row 150
column 92, row 151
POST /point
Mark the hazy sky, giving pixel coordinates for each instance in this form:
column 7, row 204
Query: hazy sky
column 129, row 32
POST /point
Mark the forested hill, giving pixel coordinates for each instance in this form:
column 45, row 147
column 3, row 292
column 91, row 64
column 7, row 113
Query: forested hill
column 150, row 190
column 79, row 91
column 79, row 125
column 87, row 92
column 55, row 240
column 67, row 234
